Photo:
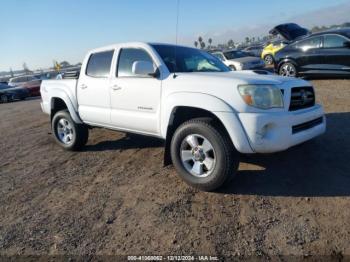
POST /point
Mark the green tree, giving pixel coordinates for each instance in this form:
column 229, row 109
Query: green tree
column 202, row 45
column 200, row 39
column 210, row 41
column 196, row 44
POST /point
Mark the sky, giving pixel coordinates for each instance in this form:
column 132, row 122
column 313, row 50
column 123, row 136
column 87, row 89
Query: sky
column 39, row 31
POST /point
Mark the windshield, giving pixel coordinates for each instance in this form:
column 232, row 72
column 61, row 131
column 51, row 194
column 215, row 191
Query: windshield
column 235, row 54
column 189, row 59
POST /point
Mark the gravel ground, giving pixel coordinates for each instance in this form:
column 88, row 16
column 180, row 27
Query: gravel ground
column 116, row 198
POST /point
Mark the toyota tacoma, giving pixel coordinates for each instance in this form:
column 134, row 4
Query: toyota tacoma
column 205, row 113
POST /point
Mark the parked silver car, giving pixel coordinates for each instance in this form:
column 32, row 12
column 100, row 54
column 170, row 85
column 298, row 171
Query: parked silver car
column 239, row 60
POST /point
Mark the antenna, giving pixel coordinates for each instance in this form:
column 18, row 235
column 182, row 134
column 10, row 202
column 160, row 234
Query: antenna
column 176, row 37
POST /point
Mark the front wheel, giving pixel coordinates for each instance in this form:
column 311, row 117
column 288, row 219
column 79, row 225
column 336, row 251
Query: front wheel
column 68, row 134
column 288, row 69
column 268, row 59
column 203, row 155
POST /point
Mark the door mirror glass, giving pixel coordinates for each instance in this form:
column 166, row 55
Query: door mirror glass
column 143, row 68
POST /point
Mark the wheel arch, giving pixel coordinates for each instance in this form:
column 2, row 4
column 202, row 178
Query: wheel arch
column 61, row 101
column 287, row 60
column 180, row 108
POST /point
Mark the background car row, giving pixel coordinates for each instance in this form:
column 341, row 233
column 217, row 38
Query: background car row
column 322, row 54
column 239, row 60
column 19, row 88
column 11, row 93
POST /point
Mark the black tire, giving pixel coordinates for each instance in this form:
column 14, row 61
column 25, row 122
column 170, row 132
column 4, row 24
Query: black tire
column 226, row 156
column 288, row 69
column 4, row 99
column 269, row 60
column 79, row 133
column 233, row 68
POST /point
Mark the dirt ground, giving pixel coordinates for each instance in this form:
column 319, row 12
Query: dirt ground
column 116, row 198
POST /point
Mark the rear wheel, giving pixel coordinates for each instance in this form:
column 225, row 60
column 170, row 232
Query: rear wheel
column 288, row 69
column 269, row 60
column 4, row 99
column 68, row 134
column 203, row 155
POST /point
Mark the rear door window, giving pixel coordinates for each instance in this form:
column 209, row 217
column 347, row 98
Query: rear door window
column 333, row 41
column 99, row 64
column 314, row 42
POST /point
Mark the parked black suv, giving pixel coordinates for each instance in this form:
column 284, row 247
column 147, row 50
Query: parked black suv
column 325, row 53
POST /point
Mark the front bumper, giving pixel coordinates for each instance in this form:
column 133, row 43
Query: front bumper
column 273, row 132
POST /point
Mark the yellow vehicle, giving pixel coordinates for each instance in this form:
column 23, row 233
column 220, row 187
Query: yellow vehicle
column 289, row 32
column 270, row 50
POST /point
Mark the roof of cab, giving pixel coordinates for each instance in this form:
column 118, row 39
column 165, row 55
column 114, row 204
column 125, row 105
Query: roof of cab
column 114, row 46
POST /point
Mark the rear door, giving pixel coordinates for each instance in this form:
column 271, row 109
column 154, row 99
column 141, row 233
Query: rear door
column 336, row 54
column 93, row 89
column 310, row 57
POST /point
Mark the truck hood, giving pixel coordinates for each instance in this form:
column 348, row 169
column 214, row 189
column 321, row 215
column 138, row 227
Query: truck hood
column 289, row 31
column 245, row 60
column 239, row 77
column 224, row 85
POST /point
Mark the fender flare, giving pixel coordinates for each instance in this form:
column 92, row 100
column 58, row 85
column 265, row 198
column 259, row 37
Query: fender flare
column 58, row 93
column 224, row 112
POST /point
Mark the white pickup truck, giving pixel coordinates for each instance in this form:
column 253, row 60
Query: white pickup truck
column 206, row 113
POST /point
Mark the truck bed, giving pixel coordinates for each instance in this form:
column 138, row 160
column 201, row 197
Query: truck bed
column 65, row 89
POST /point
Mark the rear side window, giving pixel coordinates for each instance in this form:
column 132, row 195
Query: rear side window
column 333, row 41
column 314, row 42
column 99, row 64
column 126, row 59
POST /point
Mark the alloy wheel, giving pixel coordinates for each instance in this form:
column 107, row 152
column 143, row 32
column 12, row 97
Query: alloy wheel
column 65, row 131
column 288, row 70
column 268, row 60
column 197, row 155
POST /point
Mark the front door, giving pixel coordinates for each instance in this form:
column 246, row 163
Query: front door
column 135, row 100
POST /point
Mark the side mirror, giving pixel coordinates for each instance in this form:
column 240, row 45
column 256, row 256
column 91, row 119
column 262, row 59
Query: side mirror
column 143, row 68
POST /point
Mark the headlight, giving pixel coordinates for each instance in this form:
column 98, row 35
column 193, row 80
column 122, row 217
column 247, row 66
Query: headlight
column 261, row 96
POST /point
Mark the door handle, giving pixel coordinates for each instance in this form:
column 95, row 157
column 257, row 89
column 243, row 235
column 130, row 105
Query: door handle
column 116, row 87
column 83, row 86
